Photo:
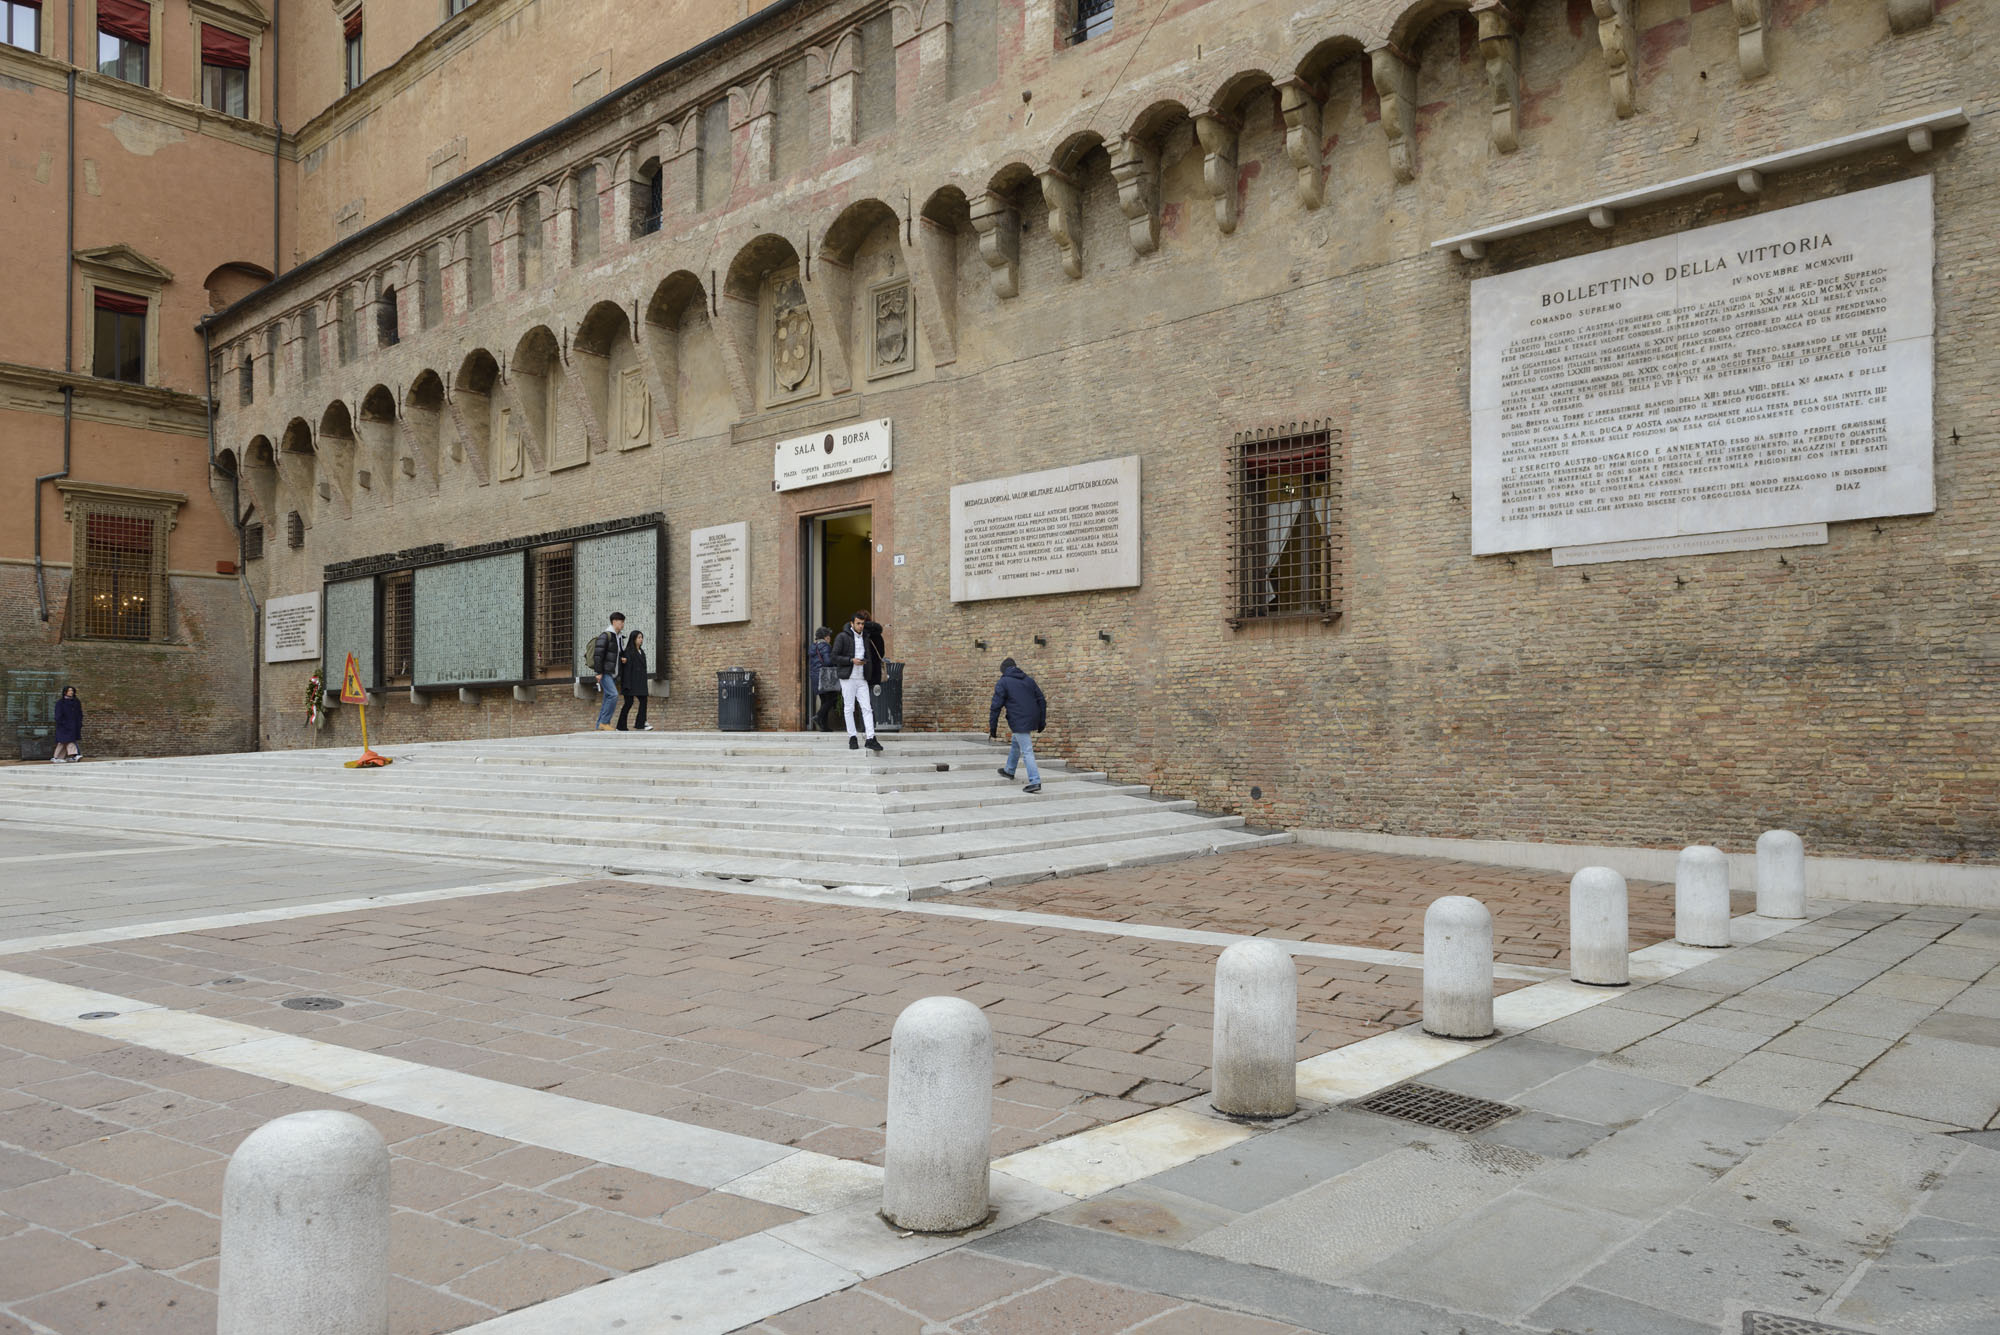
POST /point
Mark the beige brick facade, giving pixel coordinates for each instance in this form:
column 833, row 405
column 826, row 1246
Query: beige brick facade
column 1146, row 243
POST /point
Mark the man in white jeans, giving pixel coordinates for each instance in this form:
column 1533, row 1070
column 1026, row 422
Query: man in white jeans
column 857, row 657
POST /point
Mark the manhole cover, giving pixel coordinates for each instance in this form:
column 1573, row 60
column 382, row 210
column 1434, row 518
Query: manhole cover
column 1427, row 1105
column 98, row 1015
column 1777, row 1323
column 311, row 1004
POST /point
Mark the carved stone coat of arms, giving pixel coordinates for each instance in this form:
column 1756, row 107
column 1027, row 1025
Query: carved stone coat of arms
column 791, row 336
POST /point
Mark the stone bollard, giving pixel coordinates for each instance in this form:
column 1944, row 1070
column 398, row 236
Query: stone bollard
column 1781, row 875
column 305, row 1229
column 1701, row 897
column 935, row 1171
column 1599, row 939
column 1256, row 1031
column 1458, row 968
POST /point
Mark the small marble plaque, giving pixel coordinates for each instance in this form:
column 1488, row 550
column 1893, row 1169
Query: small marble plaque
column 719, row 574
column 291, row 628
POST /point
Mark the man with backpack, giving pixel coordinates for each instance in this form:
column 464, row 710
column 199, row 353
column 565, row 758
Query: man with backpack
column 605, row 653
column 1027, row 714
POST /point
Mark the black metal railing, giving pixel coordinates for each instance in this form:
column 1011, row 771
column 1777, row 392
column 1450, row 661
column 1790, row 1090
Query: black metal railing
column 1093, row 19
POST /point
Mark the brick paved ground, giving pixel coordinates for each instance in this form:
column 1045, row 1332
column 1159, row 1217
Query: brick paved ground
column 768, row 1018
column 111, row 1163
column 966, row 1294
column 1340, row 896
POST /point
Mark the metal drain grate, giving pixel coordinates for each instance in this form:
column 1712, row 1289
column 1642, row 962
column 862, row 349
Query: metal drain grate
column 1777, row 1323
column 311, row 1004
column 1427, row 1105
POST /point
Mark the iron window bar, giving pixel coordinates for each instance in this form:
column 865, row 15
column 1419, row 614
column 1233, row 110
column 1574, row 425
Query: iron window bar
column 1285, row 523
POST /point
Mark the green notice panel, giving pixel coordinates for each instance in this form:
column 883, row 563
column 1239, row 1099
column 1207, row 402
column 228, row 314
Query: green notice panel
column 471, row 621
column 349, row 629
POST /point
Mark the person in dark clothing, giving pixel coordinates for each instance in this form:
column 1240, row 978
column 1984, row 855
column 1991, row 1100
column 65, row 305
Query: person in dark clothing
column 821, row 680
column 632, row 681
column 857, row 657
column 604, row 652
column 1027, row 712
column 69, row 727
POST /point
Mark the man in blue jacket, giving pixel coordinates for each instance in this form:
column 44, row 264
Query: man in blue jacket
column 1027, row 714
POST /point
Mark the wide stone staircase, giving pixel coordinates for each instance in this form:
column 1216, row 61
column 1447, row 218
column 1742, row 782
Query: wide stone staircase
column 928, row 817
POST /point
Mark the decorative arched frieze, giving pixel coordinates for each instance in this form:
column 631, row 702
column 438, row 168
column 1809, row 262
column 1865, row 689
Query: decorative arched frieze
column 833, row 276
column 996, row 217
column 375, row 428
column 475, row 411
column 335, row 449
column 605, row 364
column 934, row 265
column 423, row 413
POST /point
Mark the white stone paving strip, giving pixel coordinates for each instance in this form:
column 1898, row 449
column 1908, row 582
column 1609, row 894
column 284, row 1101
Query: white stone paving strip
column 82, row 853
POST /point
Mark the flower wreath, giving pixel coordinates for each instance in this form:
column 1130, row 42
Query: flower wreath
column 315, row 698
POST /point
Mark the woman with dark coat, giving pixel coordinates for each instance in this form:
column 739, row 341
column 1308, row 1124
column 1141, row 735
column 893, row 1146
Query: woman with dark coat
column 69, row 727
column 819, row 675
column 632, row 681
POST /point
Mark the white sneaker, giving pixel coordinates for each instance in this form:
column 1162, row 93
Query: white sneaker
column 647, row 727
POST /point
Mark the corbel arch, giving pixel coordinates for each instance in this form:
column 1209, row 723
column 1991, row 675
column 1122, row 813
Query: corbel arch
column 675, row 341
column 872, row 228
column 532, row 389
column 999, row 215
column 376, row 426
column 423, row 414
column 605, row 363
column 768, row 324
column 482, row 420
column 337, row 446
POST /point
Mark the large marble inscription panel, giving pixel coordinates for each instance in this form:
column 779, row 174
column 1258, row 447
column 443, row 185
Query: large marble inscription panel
column 1061, row 530
column 471, row 619
column 1770, row 371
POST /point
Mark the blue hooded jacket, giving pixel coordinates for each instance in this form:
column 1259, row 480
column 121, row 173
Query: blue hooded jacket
column 1016, row 692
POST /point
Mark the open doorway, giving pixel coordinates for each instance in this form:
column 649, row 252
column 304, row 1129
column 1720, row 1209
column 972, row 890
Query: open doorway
column 839, row 575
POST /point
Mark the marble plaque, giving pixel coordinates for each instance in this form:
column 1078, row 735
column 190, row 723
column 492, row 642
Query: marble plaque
column 719, row 574
column 1058, row 531
column 291, row 628
column 834, row 455
column 1691, row 544
column 1768, row 372
column 471, row 622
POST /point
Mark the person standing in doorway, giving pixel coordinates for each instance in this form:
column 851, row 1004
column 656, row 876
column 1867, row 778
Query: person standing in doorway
column 604, row 661
column 857, row 657
column 822, row 681
column 1027, row 711
column 69, row 727
column 632, row 682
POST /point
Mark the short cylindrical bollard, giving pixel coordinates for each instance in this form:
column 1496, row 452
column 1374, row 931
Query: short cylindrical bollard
column 1256, row 1031
column 305, row 1229
column 935, row 1171
column 1599, row 939
column 1458, row 968
column 1701, row 897
column 1781, row 875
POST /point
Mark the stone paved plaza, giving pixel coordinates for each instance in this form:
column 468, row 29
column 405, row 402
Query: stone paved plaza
column 633, row 1103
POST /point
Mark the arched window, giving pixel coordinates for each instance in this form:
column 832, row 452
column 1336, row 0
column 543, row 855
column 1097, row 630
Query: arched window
column 387, row 334
column 648, row 198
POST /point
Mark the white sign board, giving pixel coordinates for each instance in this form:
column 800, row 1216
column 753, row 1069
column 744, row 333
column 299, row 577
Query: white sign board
column 291, row 628
column 1754, row 374
column 834, row 455
column 719, row 575
column 1058, row 531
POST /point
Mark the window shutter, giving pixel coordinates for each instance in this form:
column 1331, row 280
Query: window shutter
column 351, row 29
column 124, row 303
column 224, row 48
column 130, row 19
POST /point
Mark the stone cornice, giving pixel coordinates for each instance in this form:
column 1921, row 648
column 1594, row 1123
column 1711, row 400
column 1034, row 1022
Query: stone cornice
column 105, row 91
column 35, row 389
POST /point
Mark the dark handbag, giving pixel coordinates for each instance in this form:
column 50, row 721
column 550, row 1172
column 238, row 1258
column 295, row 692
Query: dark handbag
column 829, row 680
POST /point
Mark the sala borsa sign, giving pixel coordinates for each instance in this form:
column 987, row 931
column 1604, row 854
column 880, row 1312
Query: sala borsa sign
column 834, row 455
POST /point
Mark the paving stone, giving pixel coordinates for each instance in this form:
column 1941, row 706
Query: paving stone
column 1584, row 1311
column 623, row 1190
column 1506, row 1068
column 721, row 1216
column 436, row 1251
column 1146, row 1212
column 1601, row 1094
column 1779, row 1080
column 18, row 1168
column 1070, row 1306
column 1546, row 1135
column 1829, row 1045
column 524, row 1277
column 163, row 1238
column 1602, row 1029
column 849, row 1312
column 1980, row 1000
column 1663, row 999
column 43, row 1126
column 71, row 1201
column 1670, row 1059
column 1938, row 1276
column 1706, row 1035
column 419, row 1309
column 616, row 1241
column 128, row 1301
column 1286, row 1161
column 1960, row 1029
column 39, row 1261
column 1942, row 961
column 1768, row 999
column 510, row 1212
column 1696, row 1266
column 1957, row 1083
column 1209, row 1321
column 1970, row 1191
column 960, row 1281
column 1874, row 1016
column 1675, row 1152
column 132, row 1157
column 1912, row 987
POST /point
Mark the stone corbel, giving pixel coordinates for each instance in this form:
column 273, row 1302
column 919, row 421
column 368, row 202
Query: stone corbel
column 1136, row 171
column 1616, row 35
column 1396, row 86
column 1303, row 138
column 1218, row 165
column 1065, row 203
column 999, row 229
column 1500, row 48
column 1910, row 15
column 1753, row 17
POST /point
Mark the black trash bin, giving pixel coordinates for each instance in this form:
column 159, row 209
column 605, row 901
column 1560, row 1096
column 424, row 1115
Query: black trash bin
column 888, row 700
column 736, row 700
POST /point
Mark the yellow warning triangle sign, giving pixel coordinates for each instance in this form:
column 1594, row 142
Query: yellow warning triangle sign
column 350, row 685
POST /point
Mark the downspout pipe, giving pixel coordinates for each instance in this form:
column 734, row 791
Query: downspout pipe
column 236, row 518
column 69, row 319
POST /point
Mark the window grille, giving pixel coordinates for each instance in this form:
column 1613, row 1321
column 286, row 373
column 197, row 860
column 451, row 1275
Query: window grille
column 555, row 611
column 1285, row 517
column 1093, row 19
column 648, row 200
column 253, row 542
column 399, row 625
column 295, row 530
column 387, row 332
column 119, row 586
column 246, row 380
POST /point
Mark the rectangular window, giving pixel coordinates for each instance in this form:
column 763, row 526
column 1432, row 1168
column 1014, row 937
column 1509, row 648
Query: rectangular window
column 877, row 94
column 295, row 530
column 124, row 38
column 555, row 611
column 1093, row 19
column 225, row 71
column 351, row 50
column 21, row 24
column 648, row 199
column 118, row 350
column 452, row 7
column 399, row 624
column 253, row 542
column 119, row 587
column 1285, row 510
column 712, row 138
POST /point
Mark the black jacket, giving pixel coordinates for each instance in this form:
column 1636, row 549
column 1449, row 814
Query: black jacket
column 632, row 674
column 69, row 720
column 604, row 653
column 843, row 652
column 1016, row 692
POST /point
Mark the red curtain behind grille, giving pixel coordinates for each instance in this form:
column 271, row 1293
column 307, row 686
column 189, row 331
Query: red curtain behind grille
column 130, row 19
column 352, row 28
column 124, row 303
column 222, row 47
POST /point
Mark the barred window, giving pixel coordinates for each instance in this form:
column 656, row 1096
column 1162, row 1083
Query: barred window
column 253, row 542
column 1093, row 19
column 118, row 589
column 295, row 530
column 555, row 611
column 399, row 625
column 1285, row 518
